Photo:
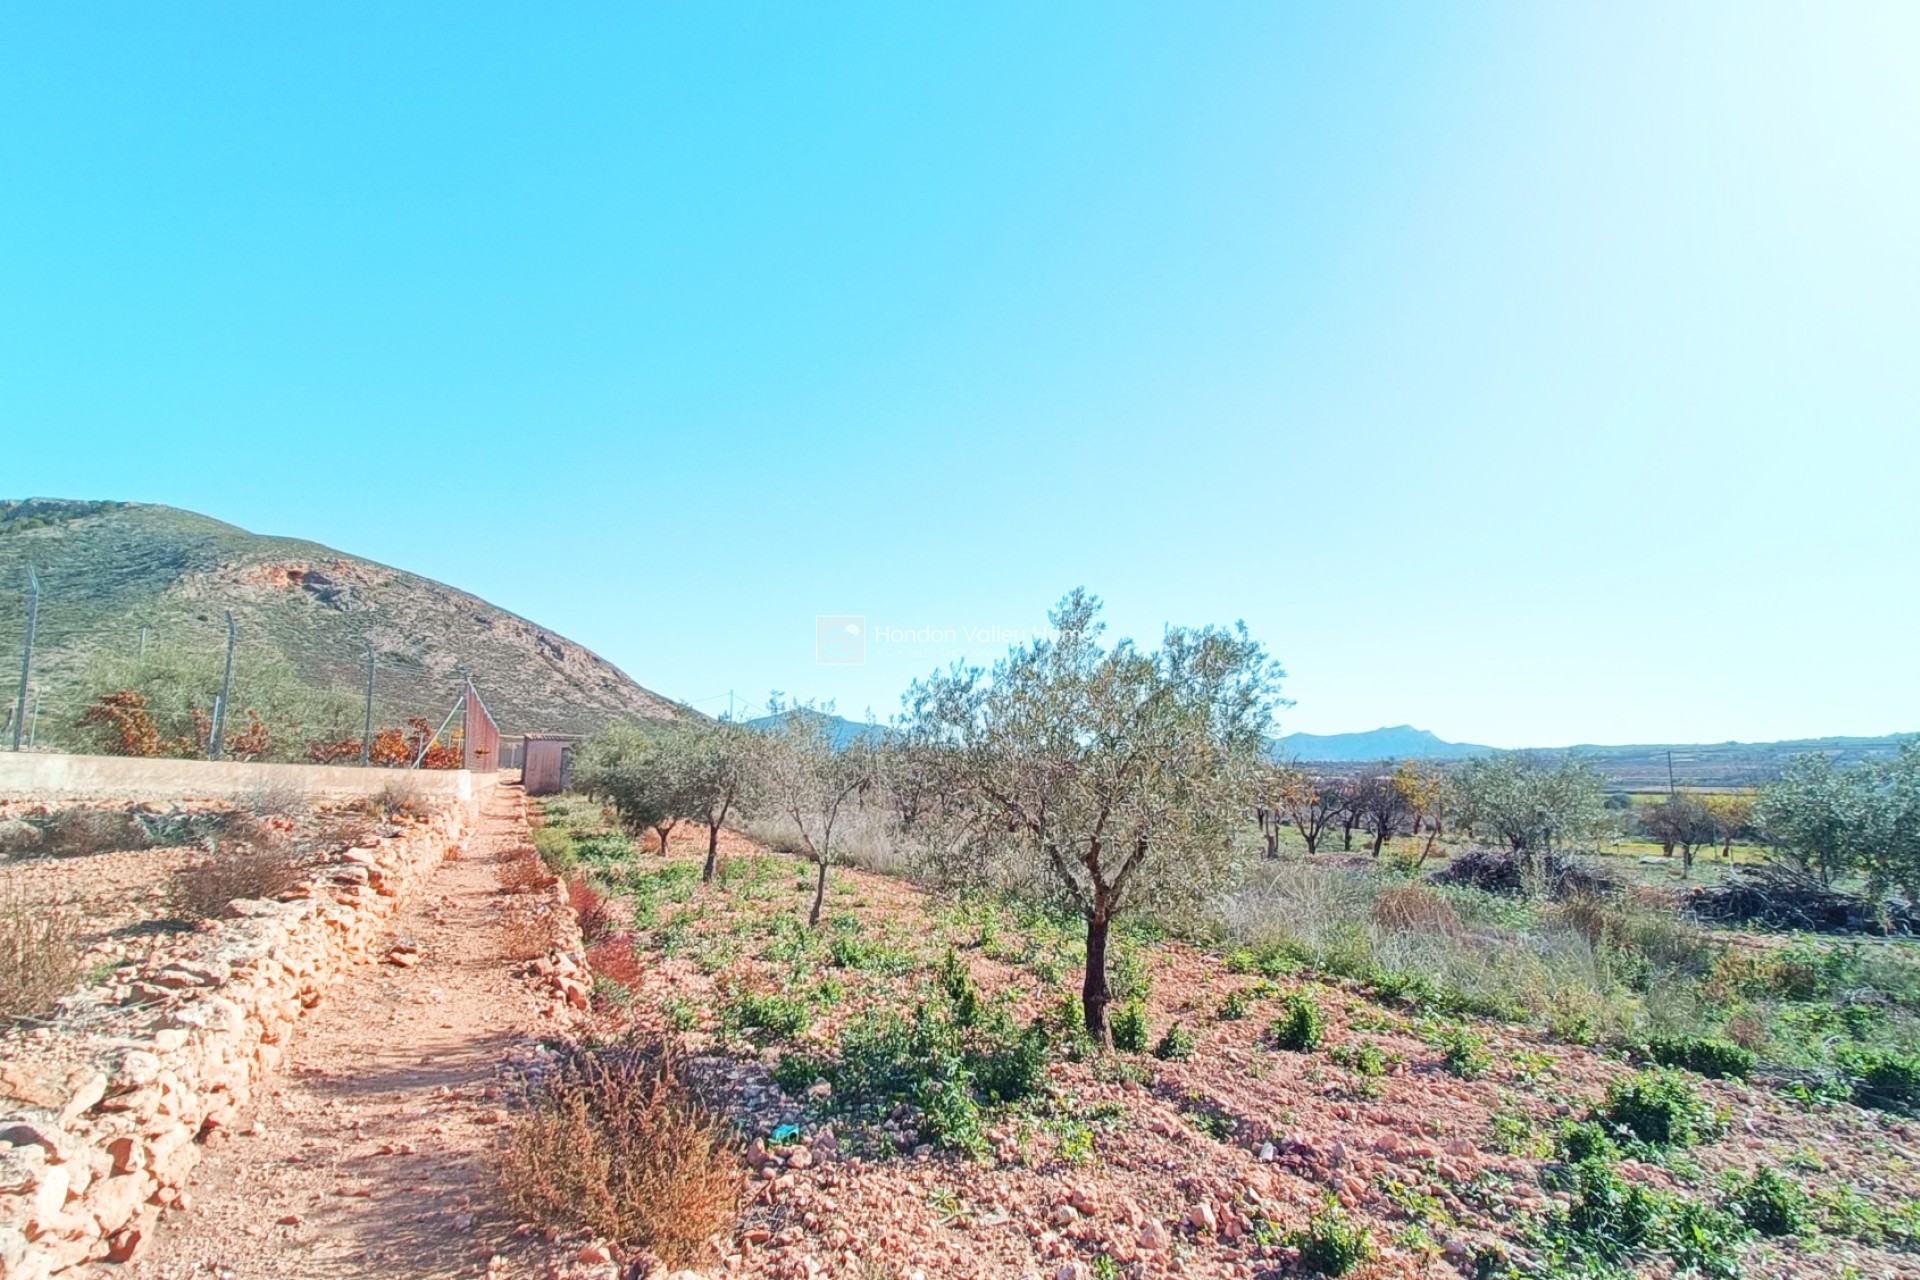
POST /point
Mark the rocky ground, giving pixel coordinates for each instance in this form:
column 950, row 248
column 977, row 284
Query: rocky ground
column 1136, row 1166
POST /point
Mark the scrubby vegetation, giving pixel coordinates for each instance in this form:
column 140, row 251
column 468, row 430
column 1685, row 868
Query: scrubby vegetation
column 615, row 1142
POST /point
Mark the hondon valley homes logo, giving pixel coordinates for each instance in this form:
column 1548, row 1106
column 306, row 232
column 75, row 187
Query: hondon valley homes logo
column 840, row 639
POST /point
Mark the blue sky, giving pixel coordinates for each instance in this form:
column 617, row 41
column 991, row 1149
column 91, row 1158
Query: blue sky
column 1531, row 373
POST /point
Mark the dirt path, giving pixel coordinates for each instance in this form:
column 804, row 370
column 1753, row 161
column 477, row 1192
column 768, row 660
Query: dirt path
column 364, row 1156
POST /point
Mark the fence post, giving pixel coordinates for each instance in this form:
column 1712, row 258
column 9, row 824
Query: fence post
column 366, row 733
column 226, row 696
column 26, row 657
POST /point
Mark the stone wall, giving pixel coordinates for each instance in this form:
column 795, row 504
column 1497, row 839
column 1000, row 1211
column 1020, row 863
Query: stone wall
column 104, row 1113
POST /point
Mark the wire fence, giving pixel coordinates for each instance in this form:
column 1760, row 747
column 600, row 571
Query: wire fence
column 140, row 691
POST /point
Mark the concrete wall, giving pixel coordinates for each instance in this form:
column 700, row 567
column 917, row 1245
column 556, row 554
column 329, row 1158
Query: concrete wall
column 35, row 776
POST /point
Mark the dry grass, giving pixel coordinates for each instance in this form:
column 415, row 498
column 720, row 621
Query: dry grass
column 39, row 953
column 202, row 889
column 1410, row 908
column 521, row 871
column 78, row 832
column 614, row 958
column 591, row 909
column 615, row 1143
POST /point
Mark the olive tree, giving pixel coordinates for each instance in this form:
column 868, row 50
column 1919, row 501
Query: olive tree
column 1534, row 804
column 812, row 782
column 716, row 763
column 1125, row 772
column 1834, row 821
column 630, row 769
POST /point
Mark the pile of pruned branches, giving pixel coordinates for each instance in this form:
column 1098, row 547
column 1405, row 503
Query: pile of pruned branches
column 1780, row 895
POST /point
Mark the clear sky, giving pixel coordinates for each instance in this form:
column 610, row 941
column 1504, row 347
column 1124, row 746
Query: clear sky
column 1533, row 373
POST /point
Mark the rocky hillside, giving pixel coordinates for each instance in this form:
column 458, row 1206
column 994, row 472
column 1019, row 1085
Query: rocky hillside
column 107, row 569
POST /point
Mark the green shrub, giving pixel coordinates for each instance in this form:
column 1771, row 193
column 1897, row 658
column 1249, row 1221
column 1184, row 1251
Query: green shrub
column 1583, row 1140
column 766, row 1015
column 1128, row 1026
column 1236, row 1006
column 1721, row 1059
column 1885, row 1079
column 1300, row 1025
column 1770, row 1203
column 1332, row 1244
column 949, row 1115
column 1176, row 1045
column 1660, row 1108
column 1703, row 1240
column 1362, row 1057
column 956, row 983
column 1608, row 1216
column 1464, row 1054
column 1404, row 986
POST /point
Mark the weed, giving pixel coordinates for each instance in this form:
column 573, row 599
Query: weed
column 1300, row 1024
column 1332, row 1244
column 1885, row 1079
column 1720, row 1059
column 1770, row 1203
column 1128, row 1026
column 1659, row 1108
column 956, row 983
column 1236, row 1006
column 203, row 888
column 614, row 957
column 591, row 909
column 1362, row 1057
column 1464, row 1054
column 1176, row 1045
column 521, row 871
column 39, row 953
column 765, row 1015
column 614, row 1143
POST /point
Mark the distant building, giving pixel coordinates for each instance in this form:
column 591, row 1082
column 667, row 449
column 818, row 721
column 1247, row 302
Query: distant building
column 546, row 763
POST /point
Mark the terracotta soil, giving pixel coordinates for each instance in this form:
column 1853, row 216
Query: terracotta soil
column 365, row 1156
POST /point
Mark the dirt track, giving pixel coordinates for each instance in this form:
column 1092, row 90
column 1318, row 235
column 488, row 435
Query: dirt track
column 365, row 1155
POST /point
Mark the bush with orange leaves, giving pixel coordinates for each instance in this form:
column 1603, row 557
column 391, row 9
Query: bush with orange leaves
column 394, row 748
column 591, row 908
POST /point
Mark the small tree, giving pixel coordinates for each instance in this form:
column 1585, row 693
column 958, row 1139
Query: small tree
column 812, row 783
column 1682, row 820
column 718, row 761
column 1125, row 771
column 1814, row 811
column 1533, row 804
column 1732, row 813
column 625, row 766
column 1423, row 788
column 1311, row 803
column 1383, row 805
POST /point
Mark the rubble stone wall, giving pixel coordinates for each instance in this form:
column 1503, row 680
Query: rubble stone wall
column 107, row 1110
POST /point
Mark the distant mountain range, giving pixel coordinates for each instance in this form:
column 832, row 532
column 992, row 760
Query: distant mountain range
column 110, row 571
column 1631, row 767
column 1401, row 742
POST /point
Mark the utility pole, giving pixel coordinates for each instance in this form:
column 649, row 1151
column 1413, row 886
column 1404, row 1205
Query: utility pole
column 33, row 721
column 26, row 656
column 366, row 733
column 226, row 695
column 143, row 641
column 1671, row 791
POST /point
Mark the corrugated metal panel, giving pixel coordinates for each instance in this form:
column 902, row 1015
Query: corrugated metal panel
column 482, row 739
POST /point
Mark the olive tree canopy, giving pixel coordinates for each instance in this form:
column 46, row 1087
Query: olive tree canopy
column 1125, row 772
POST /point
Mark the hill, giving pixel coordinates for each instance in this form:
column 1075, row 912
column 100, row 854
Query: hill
column 841, row 731
column 1401, row 742
column 107, row 569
